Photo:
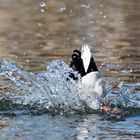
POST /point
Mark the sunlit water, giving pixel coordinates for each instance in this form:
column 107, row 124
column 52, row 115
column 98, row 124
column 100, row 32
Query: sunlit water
column 38, row 99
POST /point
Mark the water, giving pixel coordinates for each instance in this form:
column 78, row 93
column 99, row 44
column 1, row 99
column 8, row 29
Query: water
column 33, row 104
column 70, row 127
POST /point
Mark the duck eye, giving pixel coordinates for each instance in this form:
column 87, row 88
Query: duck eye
column 75, row 57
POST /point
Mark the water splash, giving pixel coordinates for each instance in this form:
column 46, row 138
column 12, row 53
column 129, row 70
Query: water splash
column 54, row 90
column 51, row 90
column 128, row 96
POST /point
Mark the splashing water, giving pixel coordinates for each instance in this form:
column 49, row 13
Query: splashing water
column 55, row 91
column 128, row 96
column 49, row 90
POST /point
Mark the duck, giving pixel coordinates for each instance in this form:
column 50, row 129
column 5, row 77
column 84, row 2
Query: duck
column 91, row 83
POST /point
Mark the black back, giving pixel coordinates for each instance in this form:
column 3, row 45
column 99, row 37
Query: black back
column 92, row 66
column 77, row 64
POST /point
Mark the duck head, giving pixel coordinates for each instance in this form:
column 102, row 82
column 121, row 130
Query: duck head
column 83, row 61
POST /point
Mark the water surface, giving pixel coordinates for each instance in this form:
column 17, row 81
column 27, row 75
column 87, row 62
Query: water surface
column 29, row 37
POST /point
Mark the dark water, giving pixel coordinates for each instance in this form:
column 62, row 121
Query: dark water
column 47, row 127
column 28, row 37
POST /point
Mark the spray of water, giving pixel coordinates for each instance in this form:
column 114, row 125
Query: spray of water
column 55, row 91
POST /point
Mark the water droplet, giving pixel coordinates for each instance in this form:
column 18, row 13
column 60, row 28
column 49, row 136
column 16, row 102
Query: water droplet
column 61, row 113
column 92, row 34
column 131, row 70
column 39, row 24
column 70, row 11
column 42, row 10
column 62, row 9
column 27, row 60
column 85, row 5
column 25, row 54
column 121, row 21
column 42, row 6
column 101, row 5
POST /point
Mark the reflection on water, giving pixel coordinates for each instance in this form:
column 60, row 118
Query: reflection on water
column 28, row 37
column 46, row 127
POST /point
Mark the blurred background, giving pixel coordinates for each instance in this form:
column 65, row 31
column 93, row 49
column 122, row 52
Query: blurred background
column 33, row 32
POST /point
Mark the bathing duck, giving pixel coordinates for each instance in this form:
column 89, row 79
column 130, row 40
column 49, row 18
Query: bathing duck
column 91, row 79
column 91, row 83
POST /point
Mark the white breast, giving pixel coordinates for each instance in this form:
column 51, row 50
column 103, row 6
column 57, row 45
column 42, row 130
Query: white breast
column 91, row 89
column 93, row 80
